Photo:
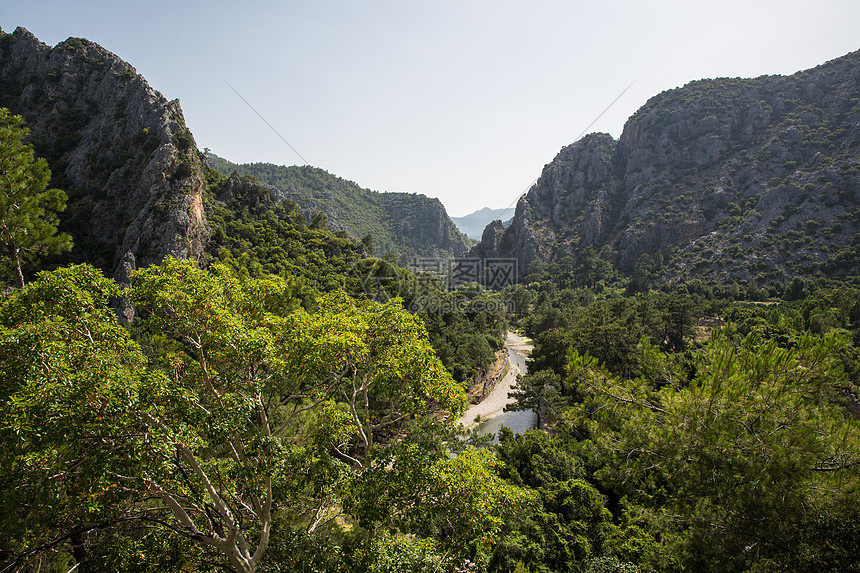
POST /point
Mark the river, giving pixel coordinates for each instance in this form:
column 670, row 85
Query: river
column 489, row 415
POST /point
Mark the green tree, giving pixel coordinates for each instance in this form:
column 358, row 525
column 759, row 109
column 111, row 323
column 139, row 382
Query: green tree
column 224, row 429
column 461, row 501
column 101, row 436
column 739, row 466
column 28, row 210
column 569, row 523
column 225, row 426
column 368, row 243
column 377, row 360
column 70, row 386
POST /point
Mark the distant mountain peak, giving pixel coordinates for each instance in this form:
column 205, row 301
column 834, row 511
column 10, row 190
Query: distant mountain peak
column 472, row 225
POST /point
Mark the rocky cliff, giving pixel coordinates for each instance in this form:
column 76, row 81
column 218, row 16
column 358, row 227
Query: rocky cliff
column 729, row 179
column 118, row 148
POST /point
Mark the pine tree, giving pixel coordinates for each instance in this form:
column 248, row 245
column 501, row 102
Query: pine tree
column 28, row 210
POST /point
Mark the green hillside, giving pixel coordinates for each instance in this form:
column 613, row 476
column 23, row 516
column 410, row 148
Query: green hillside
column 407, row 225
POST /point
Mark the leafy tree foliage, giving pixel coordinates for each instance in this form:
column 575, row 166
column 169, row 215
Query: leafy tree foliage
column 256, row 234
column 461, row 501
column 608, row 327
column 712, row 448
column 376, row 358
column 69, row 393
column 466, row 326
column 239, row 421
column 569, row 525
column 733, row 467
column 28, row 211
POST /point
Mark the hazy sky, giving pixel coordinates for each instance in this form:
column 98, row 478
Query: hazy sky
column 461, row 100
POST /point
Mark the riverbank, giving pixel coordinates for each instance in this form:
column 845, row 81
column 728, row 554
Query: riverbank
column 489, row 415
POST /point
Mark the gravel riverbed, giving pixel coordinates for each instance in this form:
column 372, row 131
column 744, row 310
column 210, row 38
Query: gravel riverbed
column 489, row 413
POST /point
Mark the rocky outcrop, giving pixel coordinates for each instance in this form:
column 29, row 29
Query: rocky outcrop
column 422, row 223
column 487, row 379
column 118, row 148
column 730, row 179
column 518, row 240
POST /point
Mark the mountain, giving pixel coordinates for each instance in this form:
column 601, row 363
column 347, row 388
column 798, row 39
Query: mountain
column 472, row 225
column 728, row 179
column 119, row 149
column 407, row 225
column 138, row 189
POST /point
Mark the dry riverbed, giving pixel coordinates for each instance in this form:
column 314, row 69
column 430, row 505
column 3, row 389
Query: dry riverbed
column 489, row 415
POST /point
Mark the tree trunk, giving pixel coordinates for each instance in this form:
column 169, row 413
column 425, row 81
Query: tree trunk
column 16, row 263
column 79, row 550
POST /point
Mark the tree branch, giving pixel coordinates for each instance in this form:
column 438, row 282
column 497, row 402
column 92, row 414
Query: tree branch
column 647, row 405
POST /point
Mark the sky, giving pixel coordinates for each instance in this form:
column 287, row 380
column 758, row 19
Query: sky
column 462, row 100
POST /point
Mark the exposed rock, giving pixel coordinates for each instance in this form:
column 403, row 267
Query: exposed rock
column 733, row 179
column 118, row 148
column 492, row 235
column 484, row 382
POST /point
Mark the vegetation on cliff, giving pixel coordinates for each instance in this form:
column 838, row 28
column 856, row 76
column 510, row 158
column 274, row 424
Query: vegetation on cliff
column 406, row 225
column 28, row 211
column 752, row 181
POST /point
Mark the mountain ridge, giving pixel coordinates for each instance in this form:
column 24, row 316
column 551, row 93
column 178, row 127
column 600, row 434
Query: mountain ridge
column 119, row 148
column 728, row 179
column 140, row 190
column 408, row 225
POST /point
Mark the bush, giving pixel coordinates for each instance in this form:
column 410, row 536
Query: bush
column 183, row 140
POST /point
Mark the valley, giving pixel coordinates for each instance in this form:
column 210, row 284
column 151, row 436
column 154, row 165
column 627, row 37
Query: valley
column 489, row 415
column 211, row 366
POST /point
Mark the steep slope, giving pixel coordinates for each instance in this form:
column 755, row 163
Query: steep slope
column 118, row 148
column 405, row 224
column 256, row 232
column 730, row 179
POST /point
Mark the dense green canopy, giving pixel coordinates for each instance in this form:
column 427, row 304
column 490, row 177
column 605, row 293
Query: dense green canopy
column 28, row 210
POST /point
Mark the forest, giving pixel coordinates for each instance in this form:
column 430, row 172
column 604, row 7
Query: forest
column 284, row 405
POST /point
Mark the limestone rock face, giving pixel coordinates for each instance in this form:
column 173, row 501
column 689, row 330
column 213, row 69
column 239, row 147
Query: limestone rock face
column 118, row 148
column 730, row 179
column 423, row 222
column 492, row 235
column 572, row 192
